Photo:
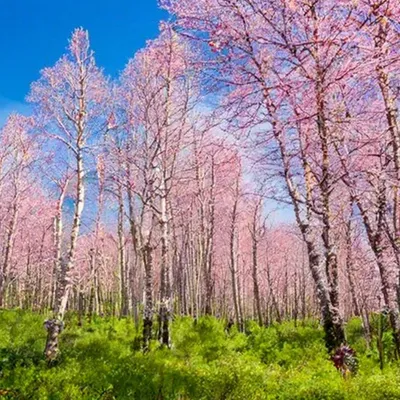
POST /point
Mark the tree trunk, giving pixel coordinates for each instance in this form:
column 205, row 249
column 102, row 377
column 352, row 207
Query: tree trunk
column 256, row 289
column 58, row 230
column 210, row 244
column 233, row 259
column 148, row 307
column 121, row 255
column 64, row 284
column 332, row 321
column 4, row 278
column 349, row 267
column 165, row 286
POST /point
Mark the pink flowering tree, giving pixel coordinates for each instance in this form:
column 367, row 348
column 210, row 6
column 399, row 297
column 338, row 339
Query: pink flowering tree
column 68, row 99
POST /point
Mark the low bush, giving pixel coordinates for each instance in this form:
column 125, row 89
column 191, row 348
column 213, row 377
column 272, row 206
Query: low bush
column 102, row 360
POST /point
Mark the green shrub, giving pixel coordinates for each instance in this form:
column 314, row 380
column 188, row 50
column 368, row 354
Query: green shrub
column 102, row 360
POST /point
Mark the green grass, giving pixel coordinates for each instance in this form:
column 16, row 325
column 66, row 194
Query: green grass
column 102, row 361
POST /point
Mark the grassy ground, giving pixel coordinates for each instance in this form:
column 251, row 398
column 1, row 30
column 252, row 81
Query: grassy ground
column 102, row 361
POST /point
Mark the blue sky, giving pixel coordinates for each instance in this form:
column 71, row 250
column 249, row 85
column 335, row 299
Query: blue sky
column 34, row 34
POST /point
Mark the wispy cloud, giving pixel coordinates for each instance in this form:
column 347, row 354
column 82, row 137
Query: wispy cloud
column 8, row 106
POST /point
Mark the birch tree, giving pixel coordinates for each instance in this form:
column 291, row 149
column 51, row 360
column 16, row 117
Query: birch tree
column 67, row 98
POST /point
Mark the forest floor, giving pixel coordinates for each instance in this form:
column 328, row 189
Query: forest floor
column 102, row 360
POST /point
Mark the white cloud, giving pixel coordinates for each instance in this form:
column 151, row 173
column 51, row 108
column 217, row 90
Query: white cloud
column 8, row 106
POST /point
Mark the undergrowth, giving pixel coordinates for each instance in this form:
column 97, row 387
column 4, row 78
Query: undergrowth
column 102, row 360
